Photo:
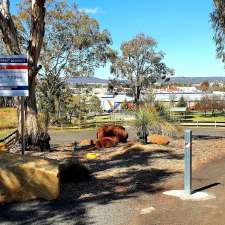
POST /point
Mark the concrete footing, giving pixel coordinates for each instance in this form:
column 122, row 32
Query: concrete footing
column 197, row 196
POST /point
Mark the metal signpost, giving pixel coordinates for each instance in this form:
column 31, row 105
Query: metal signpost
column 14, row 81
column 188, row 162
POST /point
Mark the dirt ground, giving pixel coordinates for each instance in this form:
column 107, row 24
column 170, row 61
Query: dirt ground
column 134, row 167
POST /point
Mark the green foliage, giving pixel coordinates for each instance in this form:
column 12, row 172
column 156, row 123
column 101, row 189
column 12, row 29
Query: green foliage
column 95, row 104
column 81, row 105
column 181, row 102
column 53, row 98
column 73, row 42
column 140, row 64
column 148, row 118
column 210, row 104
column 150, row 97
column 162, row 110
column 218, row 24
column 74, row 45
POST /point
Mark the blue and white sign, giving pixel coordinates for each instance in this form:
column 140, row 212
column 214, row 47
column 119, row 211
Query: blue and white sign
column 14, row 75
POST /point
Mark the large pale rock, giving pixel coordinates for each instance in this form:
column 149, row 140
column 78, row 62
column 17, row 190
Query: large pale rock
column 25, row 178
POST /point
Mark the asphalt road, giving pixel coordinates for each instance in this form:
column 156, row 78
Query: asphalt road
column 173, row 211
column 208, row 132
column 69, row 136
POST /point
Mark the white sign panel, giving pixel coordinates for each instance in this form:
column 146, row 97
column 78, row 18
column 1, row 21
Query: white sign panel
column 14, row 75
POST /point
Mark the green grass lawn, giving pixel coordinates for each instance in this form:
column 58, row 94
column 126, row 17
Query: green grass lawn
column 219, row 117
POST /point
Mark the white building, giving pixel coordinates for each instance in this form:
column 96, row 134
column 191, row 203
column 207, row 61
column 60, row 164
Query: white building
column 190, row 94
column 112, row 103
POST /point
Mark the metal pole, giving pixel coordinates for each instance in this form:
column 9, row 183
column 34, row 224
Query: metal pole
column 22, row 125
column 188, row 162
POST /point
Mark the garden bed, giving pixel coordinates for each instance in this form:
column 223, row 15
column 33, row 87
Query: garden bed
column 131, row 168
column 134, row 156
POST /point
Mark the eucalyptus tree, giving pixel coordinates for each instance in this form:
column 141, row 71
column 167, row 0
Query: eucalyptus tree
column 218, row 23
column 60, row 41
column 32, row 45
column 74, row 45
column 140, row 64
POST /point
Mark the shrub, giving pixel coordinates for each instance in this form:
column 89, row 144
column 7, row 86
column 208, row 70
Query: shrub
column 73, row 171
column 181, row 102
column 148, row 118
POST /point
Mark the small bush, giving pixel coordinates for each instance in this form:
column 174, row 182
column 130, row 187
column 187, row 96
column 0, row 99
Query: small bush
column 147, row 117
column 73, row 171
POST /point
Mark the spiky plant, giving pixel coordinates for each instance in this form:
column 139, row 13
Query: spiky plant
column 148, row 119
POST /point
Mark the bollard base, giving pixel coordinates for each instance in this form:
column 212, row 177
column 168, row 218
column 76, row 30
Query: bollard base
column 197, row 196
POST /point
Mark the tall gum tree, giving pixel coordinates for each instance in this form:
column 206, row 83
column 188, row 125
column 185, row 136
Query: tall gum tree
column 73, row 45
column 10, row 37
column 140, row 64
column 218, row 24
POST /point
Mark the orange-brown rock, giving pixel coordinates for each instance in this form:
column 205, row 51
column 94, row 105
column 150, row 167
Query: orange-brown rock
column 112, row 131
column 107, row 142
column 158, row 139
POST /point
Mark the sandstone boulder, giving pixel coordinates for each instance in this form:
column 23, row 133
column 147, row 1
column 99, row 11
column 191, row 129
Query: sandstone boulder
column 158, row 139
column 25, row 178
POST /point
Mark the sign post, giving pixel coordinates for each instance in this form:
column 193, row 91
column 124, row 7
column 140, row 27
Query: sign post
column 188, row 162
column 14, row 82
column 22, row 124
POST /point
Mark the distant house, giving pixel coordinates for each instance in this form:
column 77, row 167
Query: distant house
column 190, row 94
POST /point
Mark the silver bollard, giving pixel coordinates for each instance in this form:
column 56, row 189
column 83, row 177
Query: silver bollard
column 188, row 162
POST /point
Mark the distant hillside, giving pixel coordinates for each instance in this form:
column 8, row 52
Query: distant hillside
column 86, row 80
column 195, row 80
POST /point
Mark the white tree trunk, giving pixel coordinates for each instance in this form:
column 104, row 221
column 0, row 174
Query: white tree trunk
column 10, row 38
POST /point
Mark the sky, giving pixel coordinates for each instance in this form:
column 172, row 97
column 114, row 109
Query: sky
column 182, row 29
